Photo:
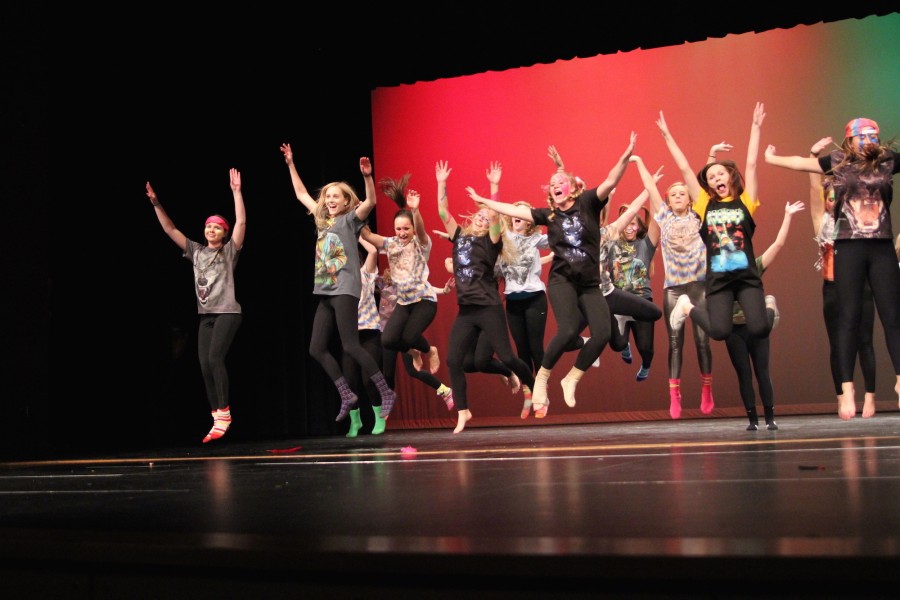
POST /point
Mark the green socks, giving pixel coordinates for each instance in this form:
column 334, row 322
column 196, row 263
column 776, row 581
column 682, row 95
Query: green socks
column 355, row 423
column 380, row 423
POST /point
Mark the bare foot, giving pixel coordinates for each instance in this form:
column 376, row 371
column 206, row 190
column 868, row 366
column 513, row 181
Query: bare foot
column 434, row 361
column 846, row 406
column 514, row 384
column 462, row 419
column 869, row 406
column 417, row 359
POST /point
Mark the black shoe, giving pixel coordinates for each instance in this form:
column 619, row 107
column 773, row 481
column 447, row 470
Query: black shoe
column 752, row 427
column 771, row 426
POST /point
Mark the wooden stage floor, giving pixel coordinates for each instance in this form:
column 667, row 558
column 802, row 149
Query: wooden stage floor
column 663, row 509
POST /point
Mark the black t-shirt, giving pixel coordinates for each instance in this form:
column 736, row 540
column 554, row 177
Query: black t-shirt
column 474, row 257
column 574, row 237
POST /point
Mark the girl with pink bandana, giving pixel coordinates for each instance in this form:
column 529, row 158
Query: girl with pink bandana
column 220, row 312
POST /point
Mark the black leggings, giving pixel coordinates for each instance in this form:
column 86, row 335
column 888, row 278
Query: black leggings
column 472, row 321
column 214, row 338
column 696, row 291
column 718, row 318
column 855, row 262
column 390, row 366
column 340, row 311
column 569, row 303
column 480, row 359
column 643, row 333
column 631, row 305
column 404, row 331
column 749, row 354
column 527, row 319
column 830, row 304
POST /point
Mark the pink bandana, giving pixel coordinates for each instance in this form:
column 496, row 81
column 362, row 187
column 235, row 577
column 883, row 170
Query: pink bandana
column 219, row 221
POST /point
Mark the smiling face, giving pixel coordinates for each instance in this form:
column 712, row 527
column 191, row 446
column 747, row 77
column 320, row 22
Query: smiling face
column 403, row 229
column 520, row 226
column 560, row 188
column 481, row 222
column 632, row 229
column 214, row 234
column 335, row 201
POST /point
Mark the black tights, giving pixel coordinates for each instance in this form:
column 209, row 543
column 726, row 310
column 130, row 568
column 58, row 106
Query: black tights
column 214, row 339
column 749, row 354
column 527, row 318
column 830, row 304
column 341, row 312
column 855, row 263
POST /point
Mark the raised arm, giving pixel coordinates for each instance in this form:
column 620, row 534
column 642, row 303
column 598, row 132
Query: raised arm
column 371, row 262
column 412, row 203
column 557, row 159
column 365, row 207
column 164, row 220
column 817, row 198
column 810, row 164
column 299, row 188
column 372, row 238
column 240, row 215
column 751, row 182
column 441, row 173
column 493, row 173
column 653, row 225
column 649, row 181
column 715, row 149
column 618, row 170
column 772, row 251
column 615, row 228
column 512, row 210
column 687, row 174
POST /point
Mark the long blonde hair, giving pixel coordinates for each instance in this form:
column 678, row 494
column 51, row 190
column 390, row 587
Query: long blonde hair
column 321, row 213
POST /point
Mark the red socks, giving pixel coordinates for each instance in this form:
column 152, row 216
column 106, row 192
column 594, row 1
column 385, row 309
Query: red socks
column 707, row 404
column 675, row 398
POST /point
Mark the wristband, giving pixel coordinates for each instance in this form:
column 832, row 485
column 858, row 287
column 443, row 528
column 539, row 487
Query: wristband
column 155, row 205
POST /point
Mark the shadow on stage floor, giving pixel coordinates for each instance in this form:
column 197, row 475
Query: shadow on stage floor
column 667, row 509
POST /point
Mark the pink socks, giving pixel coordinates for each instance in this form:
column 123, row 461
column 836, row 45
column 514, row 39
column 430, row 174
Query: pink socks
column 221, row 423
column 675, row 398
column 707, row 404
